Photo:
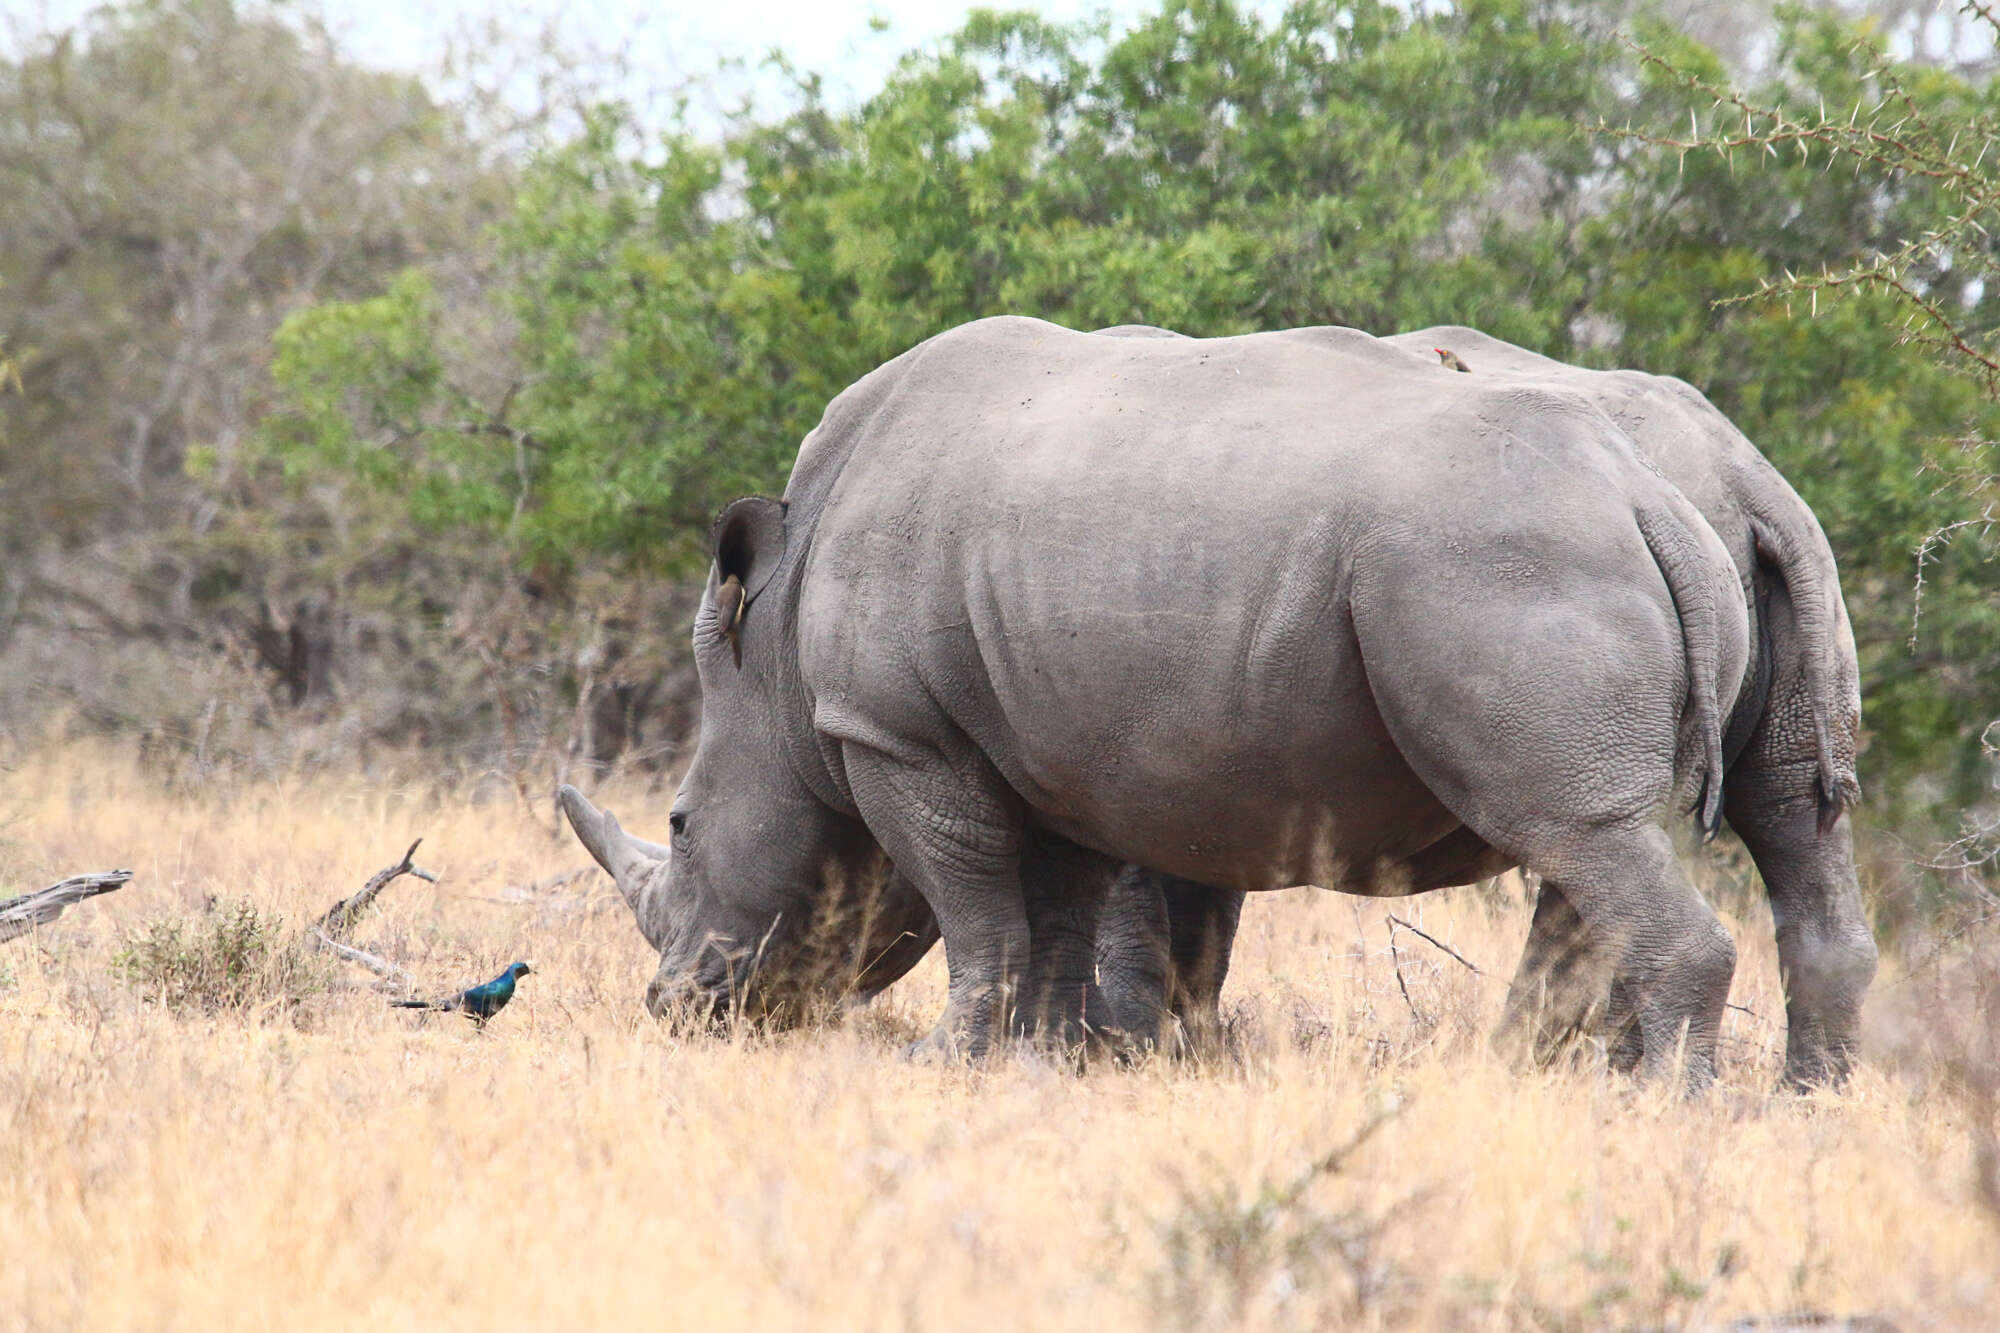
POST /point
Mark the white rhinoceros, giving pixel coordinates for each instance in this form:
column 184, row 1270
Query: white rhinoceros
column 1262, row 611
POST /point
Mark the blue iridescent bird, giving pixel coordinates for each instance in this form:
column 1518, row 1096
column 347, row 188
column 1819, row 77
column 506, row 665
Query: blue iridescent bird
column 479, row 1003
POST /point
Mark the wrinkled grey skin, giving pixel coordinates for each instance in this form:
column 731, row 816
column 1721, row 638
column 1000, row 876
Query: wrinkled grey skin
column 1789, row 747
column 1256, row 612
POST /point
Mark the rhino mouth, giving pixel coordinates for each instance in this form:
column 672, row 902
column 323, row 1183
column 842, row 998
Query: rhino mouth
column 706, row 994
column 785, row 985
column 732, row 984
column 688, row 1006
column 695, row 1008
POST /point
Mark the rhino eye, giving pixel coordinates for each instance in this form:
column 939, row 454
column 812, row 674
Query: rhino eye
column 678, row 822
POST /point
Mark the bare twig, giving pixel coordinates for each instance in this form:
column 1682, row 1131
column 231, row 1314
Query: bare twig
column 1986, row 523
column 1985, row 12
column 1944, row 945
column 1975, row 848
column 1396, row 961
column 340, row 918
column 1436, row 941
column 1915, row 143
column 20, row 915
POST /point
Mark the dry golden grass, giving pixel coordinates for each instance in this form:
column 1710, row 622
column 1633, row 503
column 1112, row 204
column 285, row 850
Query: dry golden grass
column 329, row 1162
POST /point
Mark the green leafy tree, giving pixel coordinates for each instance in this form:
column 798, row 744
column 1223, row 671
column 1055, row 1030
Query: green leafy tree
column 679, row 311
column 681, row 322
column 1850, row 321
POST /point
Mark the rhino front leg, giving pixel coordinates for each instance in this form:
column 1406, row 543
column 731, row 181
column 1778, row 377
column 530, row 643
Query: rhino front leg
column 953, row 829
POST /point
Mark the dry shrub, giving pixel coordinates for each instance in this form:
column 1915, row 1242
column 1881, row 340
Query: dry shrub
column 1231, row 1259
column 232, row 957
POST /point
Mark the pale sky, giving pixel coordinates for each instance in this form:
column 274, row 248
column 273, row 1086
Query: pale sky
column 827, row 35
column 663, row 44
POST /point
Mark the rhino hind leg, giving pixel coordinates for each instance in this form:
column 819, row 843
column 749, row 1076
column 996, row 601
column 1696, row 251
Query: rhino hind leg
column 1201, row 921
column 1648, row 927
column 1134, row 954
column 1560, row 988
column 1163, row 951
column 1804, row 850
column 1624, row 1045
column 1567, row 771
column 1064, row 889
column 1566, row 992
column 1826, row 952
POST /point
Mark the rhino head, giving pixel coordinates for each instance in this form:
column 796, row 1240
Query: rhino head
column 765, row 899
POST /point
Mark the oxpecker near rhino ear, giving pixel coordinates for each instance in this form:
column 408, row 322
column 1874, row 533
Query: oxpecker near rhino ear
column 749, row 541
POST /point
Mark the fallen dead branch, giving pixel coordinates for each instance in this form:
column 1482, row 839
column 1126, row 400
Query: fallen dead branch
column 325, row 933
column 1396, row 961
column 381, row 967
column 340, row 918
column 20, row 915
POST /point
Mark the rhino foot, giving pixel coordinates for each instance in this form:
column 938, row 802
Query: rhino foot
column 944, row 1044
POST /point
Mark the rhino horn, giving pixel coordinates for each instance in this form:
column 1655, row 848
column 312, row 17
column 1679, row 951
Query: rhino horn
column 625, row 856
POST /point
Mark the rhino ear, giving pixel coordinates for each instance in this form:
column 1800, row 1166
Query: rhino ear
column 749, row 541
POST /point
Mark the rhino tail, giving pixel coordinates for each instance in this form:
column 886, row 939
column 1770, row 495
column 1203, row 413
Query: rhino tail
column 1681, row 565
column 608, row 844
column 1785, row 551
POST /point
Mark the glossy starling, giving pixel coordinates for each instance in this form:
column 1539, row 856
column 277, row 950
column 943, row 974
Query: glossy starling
column 480, row 1003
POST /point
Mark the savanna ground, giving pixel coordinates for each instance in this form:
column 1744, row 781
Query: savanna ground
column 183, row 1146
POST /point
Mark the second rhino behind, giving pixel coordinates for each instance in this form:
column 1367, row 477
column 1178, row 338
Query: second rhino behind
column 1788, row 747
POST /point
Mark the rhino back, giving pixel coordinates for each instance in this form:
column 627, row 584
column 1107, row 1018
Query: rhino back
column 1126, row 567
column 1770, row 532
column 1673, row 426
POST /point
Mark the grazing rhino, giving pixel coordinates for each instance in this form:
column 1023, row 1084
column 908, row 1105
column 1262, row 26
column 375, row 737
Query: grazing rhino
column 1261, row 611
column 1164, row 942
